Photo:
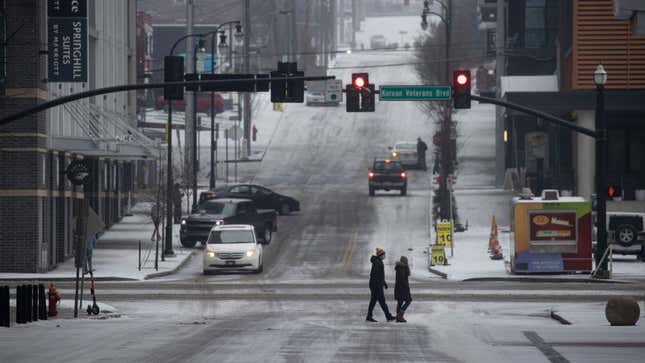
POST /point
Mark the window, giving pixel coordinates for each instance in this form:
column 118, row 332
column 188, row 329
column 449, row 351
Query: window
column 3, row 51
column 215, row 208
column 541, row 23
column 240, row 236
column 636, row 151
column 242, row 189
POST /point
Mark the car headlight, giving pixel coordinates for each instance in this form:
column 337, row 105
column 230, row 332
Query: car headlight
column 219, row 222
column 210, row 253
column 250, row 253
column 394, row 154
column 183, row 222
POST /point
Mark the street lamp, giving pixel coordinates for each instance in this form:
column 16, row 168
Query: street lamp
column 168, row 251
column 199, row 55
column 600, row 78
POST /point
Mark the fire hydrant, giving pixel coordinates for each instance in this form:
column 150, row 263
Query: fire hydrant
column 54, row 298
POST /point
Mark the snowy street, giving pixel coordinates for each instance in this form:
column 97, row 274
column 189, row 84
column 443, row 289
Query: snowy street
column 309, row 303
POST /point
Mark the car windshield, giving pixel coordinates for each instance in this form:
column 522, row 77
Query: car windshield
column 405, row 146
column 236, row 236
column 211, row 207
column 383, row 166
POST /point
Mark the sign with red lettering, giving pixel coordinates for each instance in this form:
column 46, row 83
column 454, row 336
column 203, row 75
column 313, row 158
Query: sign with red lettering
column 67, row 40
column 545, row 225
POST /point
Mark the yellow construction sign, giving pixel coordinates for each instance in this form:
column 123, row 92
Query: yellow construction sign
column 438, row 256
column 444, row 233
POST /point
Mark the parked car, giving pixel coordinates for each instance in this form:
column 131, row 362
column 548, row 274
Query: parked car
column 197, row 226
column 406, row 153
column 626, row 233
column 378, row 42
column 203, row 103
column 264, row 198
column 233, row 248
column 387, row 174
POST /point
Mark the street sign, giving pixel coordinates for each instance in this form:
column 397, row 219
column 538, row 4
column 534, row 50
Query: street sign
column 444, row 237
column 414, row 93
column 334, row 90
column 67, row 45
column 438, row 256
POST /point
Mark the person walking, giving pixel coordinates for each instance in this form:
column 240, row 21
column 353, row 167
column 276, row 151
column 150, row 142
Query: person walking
column 421, row 154
column 402, row 288
column 176, row 201
column 377, row 283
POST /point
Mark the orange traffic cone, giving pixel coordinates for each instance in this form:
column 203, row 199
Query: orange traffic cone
column 496, row 251
column 493, row 234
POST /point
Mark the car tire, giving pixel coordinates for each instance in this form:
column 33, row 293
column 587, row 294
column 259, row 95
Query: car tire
column 626, row 235
column 188, row 244
column 285, row 209
column 371, row 192
column 404, row 191
column 260, row 268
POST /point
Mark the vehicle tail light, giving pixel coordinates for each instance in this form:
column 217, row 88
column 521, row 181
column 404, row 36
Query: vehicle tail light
column 370, row 175
column 403, row 175
column 212, row 196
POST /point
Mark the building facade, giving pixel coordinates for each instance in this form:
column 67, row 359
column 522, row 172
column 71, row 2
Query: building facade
column 38, row 205
column 553, row 50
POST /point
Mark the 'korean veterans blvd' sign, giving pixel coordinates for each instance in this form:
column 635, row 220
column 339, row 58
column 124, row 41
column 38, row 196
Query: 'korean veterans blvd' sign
column 67, row 40
column 414, row 93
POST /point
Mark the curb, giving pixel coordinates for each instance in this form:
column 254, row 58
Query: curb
column 546, row 279
column 65, row 279
column 443, row 275
column 173, row 271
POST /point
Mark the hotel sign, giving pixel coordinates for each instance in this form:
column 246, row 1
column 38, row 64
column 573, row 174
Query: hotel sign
column 67, row 40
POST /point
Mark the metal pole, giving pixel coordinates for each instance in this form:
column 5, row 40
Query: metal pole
column 601, row 179
column 247, row 68
column 500, row 69
column 190, row 95
column 212, row 139
column 194, row 135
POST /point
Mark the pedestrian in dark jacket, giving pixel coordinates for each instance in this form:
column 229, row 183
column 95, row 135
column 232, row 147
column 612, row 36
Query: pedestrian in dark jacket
column 377, row 283
column 421, row 154
column 176, row 201
column 402, row 288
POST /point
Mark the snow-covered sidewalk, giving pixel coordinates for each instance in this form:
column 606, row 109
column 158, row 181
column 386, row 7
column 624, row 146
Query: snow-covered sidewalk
column 116, row 255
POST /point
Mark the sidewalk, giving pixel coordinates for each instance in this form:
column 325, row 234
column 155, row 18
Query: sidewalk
column 116, row 256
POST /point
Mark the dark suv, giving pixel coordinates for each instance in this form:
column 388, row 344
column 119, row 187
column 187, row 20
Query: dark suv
column 388, row 175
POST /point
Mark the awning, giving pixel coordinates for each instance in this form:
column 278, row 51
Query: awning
column 106, row 134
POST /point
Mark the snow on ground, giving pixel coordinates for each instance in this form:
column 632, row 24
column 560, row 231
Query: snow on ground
column 390, row 27
column 116, row 254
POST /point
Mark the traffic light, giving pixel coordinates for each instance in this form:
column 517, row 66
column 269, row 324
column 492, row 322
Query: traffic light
column 461, row 89
column 173, row 71
column 287, row 91
column 614, row 191
column 361, row 94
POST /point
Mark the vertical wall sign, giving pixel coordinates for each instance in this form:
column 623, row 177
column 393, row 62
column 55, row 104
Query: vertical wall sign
column 67, row 40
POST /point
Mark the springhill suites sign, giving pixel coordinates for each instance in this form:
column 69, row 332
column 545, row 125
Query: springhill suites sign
column 67, row 40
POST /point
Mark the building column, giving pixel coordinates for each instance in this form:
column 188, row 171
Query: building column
column 585, row 155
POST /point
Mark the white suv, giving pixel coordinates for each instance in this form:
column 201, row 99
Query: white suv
column 232, row 247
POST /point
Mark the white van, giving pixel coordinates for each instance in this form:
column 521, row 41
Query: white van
column 232, row 247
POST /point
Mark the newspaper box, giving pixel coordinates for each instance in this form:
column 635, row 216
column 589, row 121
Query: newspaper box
column 550, row 234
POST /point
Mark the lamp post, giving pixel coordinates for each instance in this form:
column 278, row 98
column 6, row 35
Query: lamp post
column 199, row 55
column 600, row 78
column 222, row 47
column 168, row 251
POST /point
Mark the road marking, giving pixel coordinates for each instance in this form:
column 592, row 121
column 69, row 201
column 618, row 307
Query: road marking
column 547, row 349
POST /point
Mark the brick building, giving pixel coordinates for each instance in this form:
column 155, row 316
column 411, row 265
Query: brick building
column 38, row 206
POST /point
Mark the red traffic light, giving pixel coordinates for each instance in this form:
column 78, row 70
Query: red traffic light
column 359, row 80
column 614, row 191
column 462, row 79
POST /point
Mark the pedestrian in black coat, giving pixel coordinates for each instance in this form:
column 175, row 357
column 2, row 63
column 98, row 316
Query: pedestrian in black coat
column 377, row 283
column 402, row 288
column 421, row 154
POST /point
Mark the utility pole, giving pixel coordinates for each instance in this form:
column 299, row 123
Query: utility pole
column 500, row 70
column 447, row 162
column 355, row 26
column 189, row 131
column 340, row 15
column 247, row 68
column 294, row 30
column 333, row 26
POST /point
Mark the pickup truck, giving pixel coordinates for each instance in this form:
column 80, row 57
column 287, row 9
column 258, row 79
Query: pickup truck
column 626, row 233
column 387, row 174
column 196, row 227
